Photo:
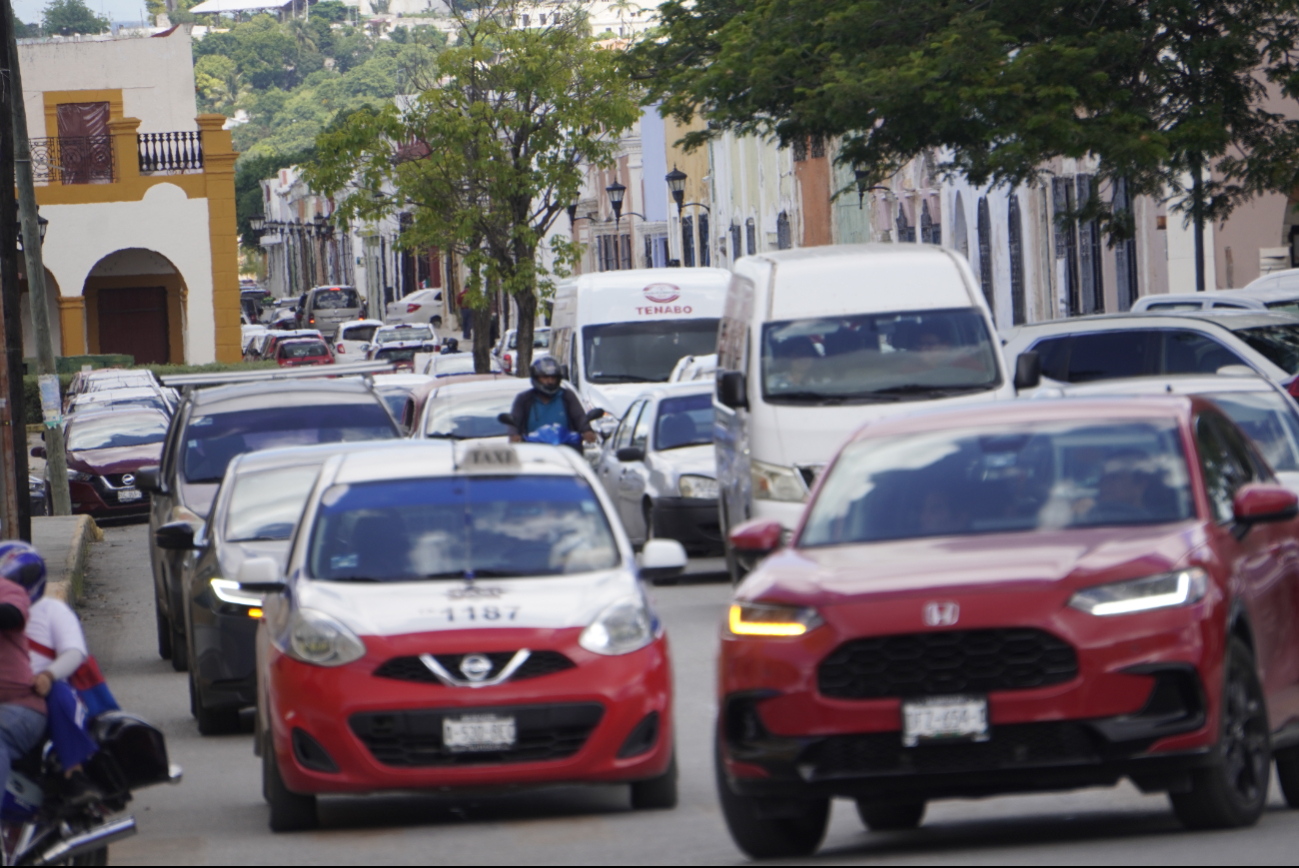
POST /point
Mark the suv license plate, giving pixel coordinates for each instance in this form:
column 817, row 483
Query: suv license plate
column 477, row 732
column 129, row 494
column 944, row 718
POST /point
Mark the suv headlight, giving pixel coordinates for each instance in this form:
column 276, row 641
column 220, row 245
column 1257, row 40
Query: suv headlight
column 771, row 482
column 702, row 487
column 1178, row 588
column 623, row 627
column 770, row 619
column 316, row 638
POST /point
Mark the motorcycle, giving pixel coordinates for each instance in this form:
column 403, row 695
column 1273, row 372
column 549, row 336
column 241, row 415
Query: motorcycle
column 39, row 826
column 553, row 435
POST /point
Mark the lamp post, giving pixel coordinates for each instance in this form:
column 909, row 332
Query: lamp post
column 677, row 185
column 616, row 192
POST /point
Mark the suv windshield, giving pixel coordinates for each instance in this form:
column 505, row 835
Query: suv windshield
column 877, row 357
column 212, row 440
column 644, row 352
column 461, row 527
column 116, row 430
column 1278, row 343
column 334, row 299
column 266, row 505
column 684, row 422
column 470, row 416
column 1000, row 480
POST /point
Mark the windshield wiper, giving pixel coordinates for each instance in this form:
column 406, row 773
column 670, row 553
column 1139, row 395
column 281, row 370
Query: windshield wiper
column 258, row 539
column 935, row 391
column 830, row 400
column 354, row 579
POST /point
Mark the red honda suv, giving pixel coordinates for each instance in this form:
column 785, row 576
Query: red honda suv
column 1035, row 597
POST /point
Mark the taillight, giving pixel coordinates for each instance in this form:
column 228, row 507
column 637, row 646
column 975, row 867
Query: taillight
column 342, row 349
column 1293, row 387
column 411, row 308
column 312, row 321
column 508, row 363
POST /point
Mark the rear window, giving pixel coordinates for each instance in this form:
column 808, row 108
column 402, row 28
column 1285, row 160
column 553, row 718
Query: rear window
column 359, row 333
column 212, row 440
column 406, row 333
column 334, row 299
column 1284, row 306
column 303, row 350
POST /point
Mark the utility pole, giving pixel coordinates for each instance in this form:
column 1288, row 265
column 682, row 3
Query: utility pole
column 56, row 457
column 15, row 431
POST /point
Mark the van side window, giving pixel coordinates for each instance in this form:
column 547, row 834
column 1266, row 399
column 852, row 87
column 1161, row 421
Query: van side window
column 1187, row 352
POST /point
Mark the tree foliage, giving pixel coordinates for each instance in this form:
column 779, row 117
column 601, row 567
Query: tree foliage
column 67, row 17
column 1152, row 89
column 490, row 152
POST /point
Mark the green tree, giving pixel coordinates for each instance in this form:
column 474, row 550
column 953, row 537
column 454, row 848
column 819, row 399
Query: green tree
column 66, row 17
column 333, row 11
column 1155, row 90
column 490, row 153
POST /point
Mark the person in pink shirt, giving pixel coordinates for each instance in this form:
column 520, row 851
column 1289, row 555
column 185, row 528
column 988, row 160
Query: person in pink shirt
column 22, row 704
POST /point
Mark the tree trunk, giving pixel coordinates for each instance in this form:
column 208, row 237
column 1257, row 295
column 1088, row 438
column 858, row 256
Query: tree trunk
column 526, row 325
column 482, row 339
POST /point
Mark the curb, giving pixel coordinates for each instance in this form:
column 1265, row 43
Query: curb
column 69, row 583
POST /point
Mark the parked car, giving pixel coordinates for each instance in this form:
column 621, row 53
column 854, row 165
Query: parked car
column 507, row 350
column 1081, row 590
column 353, row 337
column 296, row 352
column 105, row 453
column 152, row 397
column 1113, row 346
column 102, row 379
column 248, row 334
column 660, row 470
column 1228, row 299
column 457, row 364
column 211, row 426
column 421, row 306
column 326, row 307
column 1278, row 290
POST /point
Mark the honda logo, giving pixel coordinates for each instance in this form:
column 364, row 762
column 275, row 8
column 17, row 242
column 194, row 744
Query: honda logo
column 941, row 614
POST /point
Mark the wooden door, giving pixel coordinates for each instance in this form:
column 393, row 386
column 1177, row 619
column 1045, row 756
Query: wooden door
column 134, row 321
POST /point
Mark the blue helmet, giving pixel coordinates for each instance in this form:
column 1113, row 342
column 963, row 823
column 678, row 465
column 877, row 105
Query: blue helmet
column 21, row 563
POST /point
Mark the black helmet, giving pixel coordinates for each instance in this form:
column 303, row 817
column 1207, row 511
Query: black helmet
column 546, row 366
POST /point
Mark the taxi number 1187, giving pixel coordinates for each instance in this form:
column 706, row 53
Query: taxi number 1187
column 480, row 613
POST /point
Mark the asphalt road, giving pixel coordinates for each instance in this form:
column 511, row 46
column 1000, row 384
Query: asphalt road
column 217, row 815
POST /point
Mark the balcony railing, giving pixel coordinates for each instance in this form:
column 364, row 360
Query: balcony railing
column 73, row 160
column 170, row 153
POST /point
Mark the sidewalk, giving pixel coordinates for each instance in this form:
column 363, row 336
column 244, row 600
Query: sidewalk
column 64, row 542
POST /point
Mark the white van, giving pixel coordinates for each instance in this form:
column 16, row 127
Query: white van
column 615, row 331
column 816, row 342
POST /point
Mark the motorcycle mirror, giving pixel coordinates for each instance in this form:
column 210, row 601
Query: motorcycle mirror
column 505, row 419
column 592, row 415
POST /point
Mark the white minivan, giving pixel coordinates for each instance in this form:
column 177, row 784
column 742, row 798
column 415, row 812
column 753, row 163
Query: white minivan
column 615, row 331
column 816, row 342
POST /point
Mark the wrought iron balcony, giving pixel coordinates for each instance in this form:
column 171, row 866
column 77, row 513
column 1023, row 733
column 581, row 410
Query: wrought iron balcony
column 170, row 153
column 73, row 160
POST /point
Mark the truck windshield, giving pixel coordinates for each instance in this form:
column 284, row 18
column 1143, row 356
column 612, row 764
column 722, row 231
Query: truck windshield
column 878, row 357
column 644, row 352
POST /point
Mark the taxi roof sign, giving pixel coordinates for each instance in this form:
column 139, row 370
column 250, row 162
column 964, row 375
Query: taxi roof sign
column 481, row 456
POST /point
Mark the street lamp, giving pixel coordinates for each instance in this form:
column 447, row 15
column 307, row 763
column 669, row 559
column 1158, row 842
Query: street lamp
column 41, row 224
column 863, row 188
column 257, row 224
column 616, row 193
column 677, row 184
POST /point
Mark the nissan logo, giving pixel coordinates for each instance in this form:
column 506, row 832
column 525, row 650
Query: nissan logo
column 128, row 480
column 476, row 667
column 943, row 614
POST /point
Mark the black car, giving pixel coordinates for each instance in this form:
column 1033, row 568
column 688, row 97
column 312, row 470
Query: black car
column 212, row 426
column 253, row 516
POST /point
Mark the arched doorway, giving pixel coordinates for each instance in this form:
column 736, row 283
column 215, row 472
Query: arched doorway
column 134, row 302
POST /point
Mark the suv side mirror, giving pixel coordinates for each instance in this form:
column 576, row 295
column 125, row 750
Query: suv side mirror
column 593, row 414
column 630, row 453
column 147, row 480
column 1028, row 371
column 732, row 390
column 176, row 536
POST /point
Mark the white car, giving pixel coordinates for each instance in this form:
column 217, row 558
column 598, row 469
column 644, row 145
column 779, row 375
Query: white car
column 452, row 364
column 420, row 332
column 420, row 306
column 508, row 349
column 467, row 409
column 660, row 470
column 249, row 333
column 352, row 338
column 1230, row 299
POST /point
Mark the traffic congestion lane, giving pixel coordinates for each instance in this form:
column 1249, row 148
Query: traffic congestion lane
column 217, row 815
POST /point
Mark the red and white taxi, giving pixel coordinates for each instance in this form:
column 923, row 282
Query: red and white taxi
column 460, row 615
column 1044, row 596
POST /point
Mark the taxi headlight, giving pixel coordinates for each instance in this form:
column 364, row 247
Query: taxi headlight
column 771, row 482
column 702, row 487
column 626, row 626
column 1178, row 588
column 769, row 619
column 316, row 638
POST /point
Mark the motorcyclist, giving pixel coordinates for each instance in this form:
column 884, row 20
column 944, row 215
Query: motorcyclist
column 548, row 403
column 22, row 705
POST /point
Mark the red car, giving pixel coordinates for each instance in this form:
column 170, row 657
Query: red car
column 105, row 451
column 1034, row 597
column 303, row 351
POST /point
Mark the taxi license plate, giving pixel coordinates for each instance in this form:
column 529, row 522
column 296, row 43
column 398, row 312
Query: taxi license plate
column 944, row 718
column 129, row 494
column 477, row 732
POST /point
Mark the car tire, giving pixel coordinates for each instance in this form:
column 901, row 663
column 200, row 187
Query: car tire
column 1232, row 792
column 771, row 828
column 890, row 816
column 658, row 793
column 290, row 812
column 164, row 631
column 210, row 721
column 1287, row 775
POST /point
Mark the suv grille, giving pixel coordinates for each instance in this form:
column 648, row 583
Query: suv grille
column 413, row 669
column 414, row 738
column 958, row 661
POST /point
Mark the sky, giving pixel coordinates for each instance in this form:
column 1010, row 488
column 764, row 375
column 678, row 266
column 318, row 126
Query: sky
column 114, row 10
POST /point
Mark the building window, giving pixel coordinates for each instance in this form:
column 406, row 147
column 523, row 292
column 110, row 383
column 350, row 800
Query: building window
column 750, row 237
column 624, row 242
column 906, row 232
column 800, row 149
column 817, row 148
column 1089, row 254
column 705, row 241
column 1066, row 239
column 985, row 254
column 784, row 237
column 736, row 250
column 1016, row 235
column 688, row 242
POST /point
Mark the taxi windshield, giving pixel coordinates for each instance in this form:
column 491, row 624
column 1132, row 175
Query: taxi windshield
column 1001, row 480
column 460, row 528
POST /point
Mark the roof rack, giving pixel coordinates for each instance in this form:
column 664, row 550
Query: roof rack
column 365, row 369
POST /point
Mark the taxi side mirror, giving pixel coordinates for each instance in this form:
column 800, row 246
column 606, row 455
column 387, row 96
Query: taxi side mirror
column 662, row 559
column 1028, row 371
column 261, row 576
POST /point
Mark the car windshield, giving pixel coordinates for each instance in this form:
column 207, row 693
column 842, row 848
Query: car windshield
column 88, row 404
column 266, row 505
column 999, row 480
column 684, row 422
column 457, row 363
column 472, row 415
column 1279, row 344
column 540, row 340
column 877, row 357
column 1289, row 306
column 396, row 354
column 359, row 333
column 644, row 352
column 1268, row 420
column 406, row 333
column 460, row 527
column 115, row 431
column 304, row 350
column 396, row 401
column 335, row 299
column 212, row 440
